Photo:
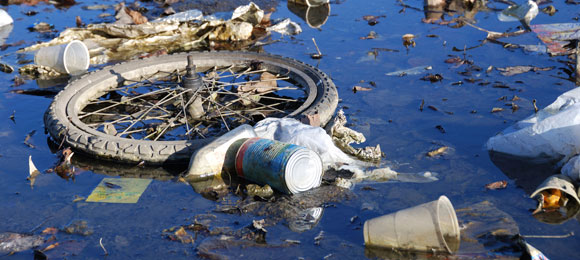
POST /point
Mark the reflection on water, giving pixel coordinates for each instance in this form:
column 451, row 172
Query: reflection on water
column 435, row 10
column 314, row 16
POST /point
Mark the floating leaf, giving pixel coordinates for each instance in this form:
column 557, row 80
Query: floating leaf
column 496, row 185
column 33, row 171
column 496, row 109
column 371, row 35
column 510, row 71
column 182, row 236
column 440, row 128
column 50, row 231
column 27, row 139
column 438, row 151
column 6, row 68
column 267, row 82
column 359, row 88
column 433, row 78
column 52, row 246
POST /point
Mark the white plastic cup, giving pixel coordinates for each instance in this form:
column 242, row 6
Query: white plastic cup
column 427, row 227
column 71, row 58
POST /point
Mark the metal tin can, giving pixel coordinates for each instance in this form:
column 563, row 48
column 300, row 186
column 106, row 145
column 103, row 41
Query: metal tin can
column 285, row 167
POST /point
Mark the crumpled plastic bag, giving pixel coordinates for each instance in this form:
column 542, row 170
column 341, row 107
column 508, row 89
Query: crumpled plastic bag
column 553, row 133
column 290, row 130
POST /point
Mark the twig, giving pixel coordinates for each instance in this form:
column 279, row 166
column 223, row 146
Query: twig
column 550, row 236
column 495, row 35
column 316, row 45
column 103, row 247
column 40, row 225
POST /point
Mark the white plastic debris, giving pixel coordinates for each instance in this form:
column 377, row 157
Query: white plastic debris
column 315, row 138
column 249, row 13
column 286, row 27
column 412, row 71
column 209, row 160
column 534, row 253
column 5, row 18
column 553, row 133
column 523, row 13
column 572, row 168
column 292, row 131
column 189, row 15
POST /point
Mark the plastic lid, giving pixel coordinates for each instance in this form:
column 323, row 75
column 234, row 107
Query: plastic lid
column 303, row 171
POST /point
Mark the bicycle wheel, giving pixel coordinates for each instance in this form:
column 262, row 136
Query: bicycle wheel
column 149, row 110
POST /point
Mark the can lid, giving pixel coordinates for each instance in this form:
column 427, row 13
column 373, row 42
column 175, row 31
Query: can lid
column 303, row 171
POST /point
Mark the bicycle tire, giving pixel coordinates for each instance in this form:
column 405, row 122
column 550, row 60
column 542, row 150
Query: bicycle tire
column 63, row 124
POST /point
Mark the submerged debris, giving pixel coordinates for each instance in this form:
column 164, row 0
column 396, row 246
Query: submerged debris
column 39, row 72
column 121, row 41
column 262, row 192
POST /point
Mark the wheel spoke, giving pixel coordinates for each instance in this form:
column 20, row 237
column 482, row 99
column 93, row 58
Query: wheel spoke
column 155, row 107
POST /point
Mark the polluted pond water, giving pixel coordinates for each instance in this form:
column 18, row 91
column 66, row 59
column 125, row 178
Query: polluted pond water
column 430, row 82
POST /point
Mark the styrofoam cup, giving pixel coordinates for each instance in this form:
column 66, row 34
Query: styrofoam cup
column 71, row 58
column 428, row 227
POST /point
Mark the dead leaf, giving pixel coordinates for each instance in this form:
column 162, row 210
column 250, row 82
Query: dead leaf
column 79, row 22
column 50, row 247
column 267, row 82
column 433, row 108
column 50, row 231
column 33, row 171
column 372, row 19
column 438, row 151
column 440, row 128
column 408, row 37
column 6, row 68
column 137, row 17
column 359, row 88
column 371, row 35
column 496, row 185
column 182, row 236
column 432, row 78
column 41, row 27
column 510, row 71
column 79, row 198
column 496, row 109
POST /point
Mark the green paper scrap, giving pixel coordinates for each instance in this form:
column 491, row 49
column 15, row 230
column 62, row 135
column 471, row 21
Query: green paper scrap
column 119, row 190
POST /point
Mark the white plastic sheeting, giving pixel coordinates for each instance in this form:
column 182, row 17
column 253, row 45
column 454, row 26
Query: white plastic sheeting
column 552, row 133
column 315, row 138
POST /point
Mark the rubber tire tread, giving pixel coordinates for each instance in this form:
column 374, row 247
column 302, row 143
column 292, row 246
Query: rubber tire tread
column 61, row 127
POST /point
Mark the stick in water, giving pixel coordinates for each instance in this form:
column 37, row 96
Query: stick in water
column 103, row 247
column 317, row 55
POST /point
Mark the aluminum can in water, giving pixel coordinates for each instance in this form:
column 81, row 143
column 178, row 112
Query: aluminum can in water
column 286, row 167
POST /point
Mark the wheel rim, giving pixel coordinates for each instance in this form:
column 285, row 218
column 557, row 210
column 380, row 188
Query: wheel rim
column 151, row 106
